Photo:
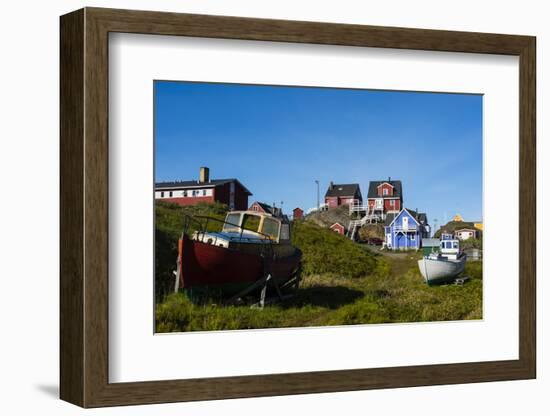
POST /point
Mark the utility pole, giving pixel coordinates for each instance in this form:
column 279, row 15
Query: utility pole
column 318, row 203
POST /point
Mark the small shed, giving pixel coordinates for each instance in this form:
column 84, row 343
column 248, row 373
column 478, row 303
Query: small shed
column 339, row 228
column 430, row 245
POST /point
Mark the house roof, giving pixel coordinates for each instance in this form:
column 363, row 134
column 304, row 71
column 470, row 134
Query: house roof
column 266, row 207
column 410, row 211
column 373, row 188
column 420, row 216
column 345, row 189
column 389, row 218
column 196, row 184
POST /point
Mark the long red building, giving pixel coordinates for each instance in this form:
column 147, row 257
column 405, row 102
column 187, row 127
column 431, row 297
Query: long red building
column 226, row 191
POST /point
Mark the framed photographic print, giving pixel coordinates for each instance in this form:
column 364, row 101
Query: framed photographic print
column 255, row 207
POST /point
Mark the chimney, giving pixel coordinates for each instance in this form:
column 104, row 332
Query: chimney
column 389, row 178
column 204, row 175
column 331, row 185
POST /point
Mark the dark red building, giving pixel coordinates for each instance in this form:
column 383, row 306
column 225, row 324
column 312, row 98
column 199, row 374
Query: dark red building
column 343, row 194
column 226, row 191
column 297, row 213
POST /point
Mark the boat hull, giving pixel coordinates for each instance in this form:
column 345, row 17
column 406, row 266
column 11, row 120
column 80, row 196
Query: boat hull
column 206, row 265
column 440, row 270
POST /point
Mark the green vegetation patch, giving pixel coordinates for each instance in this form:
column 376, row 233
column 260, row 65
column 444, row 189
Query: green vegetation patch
column 325, row 251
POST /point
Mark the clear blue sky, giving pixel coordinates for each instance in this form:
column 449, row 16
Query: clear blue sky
column 278, row 140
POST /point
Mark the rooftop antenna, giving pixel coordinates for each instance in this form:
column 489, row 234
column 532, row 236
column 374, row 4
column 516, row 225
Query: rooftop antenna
column 318, row 203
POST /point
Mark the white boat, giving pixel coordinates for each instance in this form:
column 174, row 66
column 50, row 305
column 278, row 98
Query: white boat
column 445, row 265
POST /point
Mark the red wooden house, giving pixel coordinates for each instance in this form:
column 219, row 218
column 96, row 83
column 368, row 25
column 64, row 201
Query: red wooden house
column 385, row 197
column 226, row 191
column 265, row 208
column 343, row 194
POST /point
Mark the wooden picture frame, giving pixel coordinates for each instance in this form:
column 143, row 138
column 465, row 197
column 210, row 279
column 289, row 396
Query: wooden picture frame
column 84, row 207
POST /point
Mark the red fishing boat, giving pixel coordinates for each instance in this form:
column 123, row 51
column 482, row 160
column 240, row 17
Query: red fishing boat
column 251, row 251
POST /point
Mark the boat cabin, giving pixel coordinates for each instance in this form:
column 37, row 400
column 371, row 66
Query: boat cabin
column 449, row 248
column 257, row 225
column 248, row 227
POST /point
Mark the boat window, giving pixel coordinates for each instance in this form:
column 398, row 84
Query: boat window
column 285, row 232
column 251, row 222
column 271, row 227
column 455, row 244
column 232, row 223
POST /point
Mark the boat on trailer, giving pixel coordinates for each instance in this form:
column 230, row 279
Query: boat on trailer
column 252, row 251
column 445, row 265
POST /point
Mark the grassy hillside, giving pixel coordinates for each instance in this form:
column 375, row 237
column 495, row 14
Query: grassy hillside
column 325, row 251
column 343, row 283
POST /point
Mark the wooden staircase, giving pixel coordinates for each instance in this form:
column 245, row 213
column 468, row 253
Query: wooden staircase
column 371, row 216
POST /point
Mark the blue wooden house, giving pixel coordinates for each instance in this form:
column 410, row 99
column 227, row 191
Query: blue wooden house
column 404, row 230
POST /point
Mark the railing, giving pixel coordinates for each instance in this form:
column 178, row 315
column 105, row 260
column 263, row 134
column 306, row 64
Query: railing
column 408, row 228
column 356, row 206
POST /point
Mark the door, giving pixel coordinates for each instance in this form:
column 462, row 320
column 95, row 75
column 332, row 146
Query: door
column 405, row 223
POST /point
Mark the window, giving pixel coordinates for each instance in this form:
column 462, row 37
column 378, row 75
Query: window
column 251, row 223
column 392, row 202
column 271, row 227
column 232, row 223
column 285, row 232
column 455, row 244
column 413, row 237
column 385, row 191
column 170, row 194
column 162, row 194
column 204, row 192
column 185, row 193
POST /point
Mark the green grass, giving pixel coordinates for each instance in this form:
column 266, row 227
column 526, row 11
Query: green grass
column 324, row 251
column 325, row 299
column 343, row 284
